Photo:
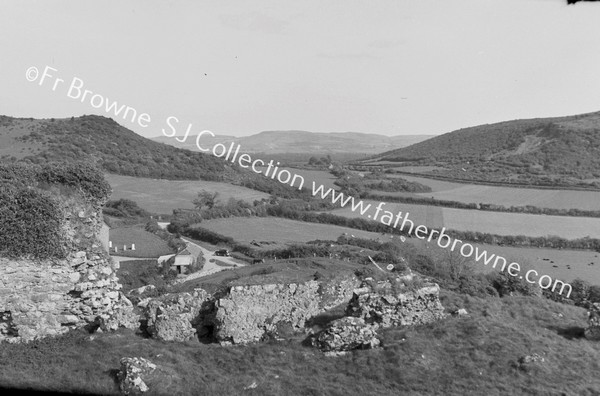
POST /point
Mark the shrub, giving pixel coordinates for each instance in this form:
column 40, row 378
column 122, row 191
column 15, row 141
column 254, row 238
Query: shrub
column 30, row 224
column 205, row 235
column 507, row 285
column 125, row 208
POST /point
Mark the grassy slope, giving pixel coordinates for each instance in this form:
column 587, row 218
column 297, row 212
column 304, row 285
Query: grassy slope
column 273, row 271
column 476, row 354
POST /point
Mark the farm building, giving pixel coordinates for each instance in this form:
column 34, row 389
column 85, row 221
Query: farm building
column 182, row 260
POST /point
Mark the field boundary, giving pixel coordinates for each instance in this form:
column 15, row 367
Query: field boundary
column 529, row 209
column 488, row 183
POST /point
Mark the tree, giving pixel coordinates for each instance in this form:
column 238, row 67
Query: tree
column 205, row 198
column 314, row 161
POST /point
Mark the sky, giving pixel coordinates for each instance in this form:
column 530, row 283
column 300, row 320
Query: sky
column 392, row 67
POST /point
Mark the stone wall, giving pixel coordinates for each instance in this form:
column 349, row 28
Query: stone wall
column 48, row 297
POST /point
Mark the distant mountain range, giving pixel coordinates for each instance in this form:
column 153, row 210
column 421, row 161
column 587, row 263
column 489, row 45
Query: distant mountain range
column 299, row 142
column 566, row 148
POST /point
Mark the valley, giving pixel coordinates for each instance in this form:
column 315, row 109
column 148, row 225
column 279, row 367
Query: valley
column 224, row 231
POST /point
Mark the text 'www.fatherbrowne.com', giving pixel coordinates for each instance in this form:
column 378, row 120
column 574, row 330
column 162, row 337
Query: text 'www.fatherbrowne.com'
column 401, row 221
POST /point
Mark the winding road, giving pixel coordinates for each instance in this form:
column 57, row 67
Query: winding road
column 208, row 268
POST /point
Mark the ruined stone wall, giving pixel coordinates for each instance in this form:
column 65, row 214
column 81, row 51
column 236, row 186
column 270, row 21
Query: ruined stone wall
column 384, row 307
column 248, row 313
column 42, row 297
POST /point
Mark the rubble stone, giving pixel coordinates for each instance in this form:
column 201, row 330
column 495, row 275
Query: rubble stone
column 134, row 372
column 347, row 334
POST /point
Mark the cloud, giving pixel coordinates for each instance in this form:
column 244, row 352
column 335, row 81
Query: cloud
column 256, row 22
column 348, row 55
column 386, row 43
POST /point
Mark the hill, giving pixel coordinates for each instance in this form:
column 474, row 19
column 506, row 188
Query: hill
column 118, row 150
column 270, row 142
column 560, row 150
column 113, row 147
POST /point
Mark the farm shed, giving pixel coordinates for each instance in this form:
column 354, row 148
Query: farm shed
column 181, row 260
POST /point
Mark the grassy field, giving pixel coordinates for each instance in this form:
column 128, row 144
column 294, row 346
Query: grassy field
column 162, row 196
column 247, row 229
column 476, row 354
column 491, row 222
column 146, row 244
column 521, row 224
column 559, row 264
column 565, row 265
column 507, row 196
column 431, row 216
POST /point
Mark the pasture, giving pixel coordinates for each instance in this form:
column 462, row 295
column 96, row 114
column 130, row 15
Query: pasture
column 565, row 265
column 431, row 216
column 507, row 196
column 274, row 229
column 491, row 222
column 162, row 196
column 318, row 176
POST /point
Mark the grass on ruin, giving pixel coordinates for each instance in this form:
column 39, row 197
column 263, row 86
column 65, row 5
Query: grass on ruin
column 272, row 271
column 473, row 354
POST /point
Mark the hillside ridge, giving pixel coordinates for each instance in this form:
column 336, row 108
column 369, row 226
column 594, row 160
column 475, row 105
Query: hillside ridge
column 562, row 150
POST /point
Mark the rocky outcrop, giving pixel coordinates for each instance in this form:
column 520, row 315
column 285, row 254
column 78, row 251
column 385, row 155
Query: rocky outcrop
column 174, row 317
column 133, row 374
column 253, row 312
column 347, row 334
column 386, row 306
